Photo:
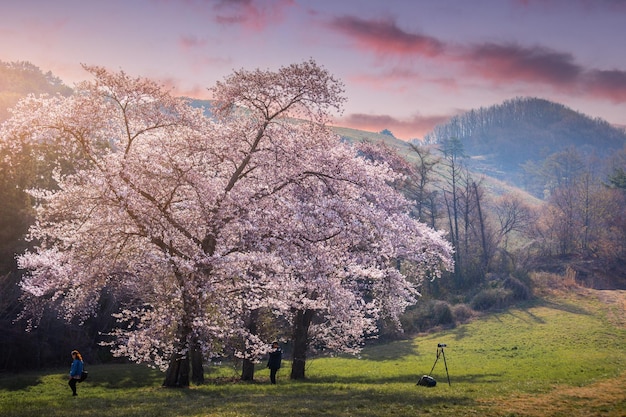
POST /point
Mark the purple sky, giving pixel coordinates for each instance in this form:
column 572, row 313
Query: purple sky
column 407, row 64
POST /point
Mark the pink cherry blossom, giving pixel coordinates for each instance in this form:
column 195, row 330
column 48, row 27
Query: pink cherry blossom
column 197, row 219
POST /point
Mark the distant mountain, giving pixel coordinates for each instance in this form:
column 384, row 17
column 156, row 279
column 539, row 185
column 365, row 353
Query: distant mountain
column 499, row 139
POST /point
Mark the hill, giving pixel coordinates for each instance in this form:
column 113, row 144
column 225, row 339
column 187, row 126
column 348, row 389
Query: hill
column 355, row 135
column 347, row 134
column 18, row 79
column 500, row 138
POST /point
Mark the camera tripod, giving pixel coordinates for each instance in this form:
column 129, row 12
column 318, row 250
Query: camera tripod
column 440, row 352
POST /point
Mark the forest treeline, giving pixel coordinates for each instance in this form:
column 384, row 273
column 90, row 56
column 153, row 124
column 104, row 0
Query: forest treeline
column 567, row 214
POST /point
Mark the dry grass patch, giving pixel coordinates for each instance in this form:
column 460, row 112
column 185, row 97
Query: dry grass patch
column 616, row 301
column 602, row 398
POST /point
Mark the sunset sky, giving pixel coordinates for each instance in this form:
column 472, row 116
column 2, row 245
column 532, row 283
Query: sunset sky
column 406, row 64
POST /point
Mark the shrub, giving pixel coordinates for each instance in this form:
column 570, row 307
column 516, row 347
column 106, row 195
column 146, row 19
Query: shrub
column 491, row 299
column 441, row 314
column 462, row 313
column 519, row 290
column 427, row 314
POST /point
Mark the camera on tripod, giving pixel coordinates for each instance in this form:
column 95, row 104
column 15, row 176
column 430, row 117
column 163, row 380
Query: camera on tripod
column 428, row 380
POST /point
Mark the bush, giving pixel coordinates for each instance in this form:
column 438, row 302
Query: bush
column 519, row 290
column 427, row 314
column 441, row 314
column 462, row 313
column 491, row 299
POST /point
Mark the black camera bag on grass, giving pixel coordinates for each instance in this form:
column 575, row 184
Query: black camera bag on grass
column 427, row 381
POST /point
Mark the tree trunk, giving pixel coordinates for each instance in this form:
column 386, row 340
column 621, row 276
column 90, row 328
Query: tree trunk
column 177, row 374
column 302, row 321
column 247, row 370
column 197, row 369
column 483, row 238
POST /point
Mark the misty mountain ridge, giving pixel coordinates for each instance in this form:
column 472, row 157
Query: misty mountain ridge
column 500, row 138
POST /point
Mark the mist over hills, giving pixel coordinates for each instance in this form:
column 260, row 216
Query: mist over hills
column 499, row 139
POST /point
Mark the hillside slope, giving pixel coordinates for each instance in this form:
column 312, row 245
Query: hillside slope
column 18, row 79
column 500, row 138
column 346, row 133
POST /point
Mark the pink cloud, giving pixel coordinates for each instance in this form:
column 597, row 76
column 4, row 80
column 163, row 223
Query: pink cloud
column 200, row 63
column 190, row 42
column 502, row 64
column 414, row 127
column 511, row 62
column 46, row 32
column 498, row 64
column 386, row 38
column 254, row 15
column 397, row 77
column 586, row 5
column 606, row 84
column 195, row 91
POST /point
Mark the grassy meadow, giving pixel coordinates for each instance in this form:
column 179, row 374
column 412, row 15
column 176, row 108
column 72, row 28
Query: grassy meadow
column 560, row 355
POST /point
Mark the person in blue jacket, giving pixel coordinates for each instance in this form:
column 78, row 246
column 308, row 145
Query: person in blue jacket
column 76, row 370
column 273, row 363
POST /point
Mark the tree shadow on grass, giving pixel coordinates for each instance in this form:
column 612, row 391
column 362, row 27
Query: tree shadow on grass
column 366, row 379
column 526, row 316
column 19, row 382
column 106, row 376
column 302, row 400
column 366, row 402
column 390, row 351
column 460, row 333
column 565, row 306
column 324, row 396
column 124, row 376
column 440, row 376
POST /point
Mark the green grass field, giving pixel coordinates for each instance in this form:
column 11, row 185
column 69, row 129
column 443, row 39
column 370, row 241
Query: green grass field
column 559, row 356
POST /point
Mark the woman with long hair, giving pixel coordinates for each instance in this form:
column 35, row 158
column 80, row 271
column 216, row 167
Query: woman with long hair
column 76, row 370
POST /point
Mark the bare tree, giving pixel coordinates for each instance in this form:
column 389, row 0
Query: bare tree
column 453, row 154
column 421, row 189
column 513, row 215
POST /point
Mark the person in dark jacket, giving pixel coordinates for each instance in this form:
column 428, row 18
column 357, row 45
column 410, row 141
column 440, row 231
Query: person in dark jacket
column 76, row 370
column 276, row 355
